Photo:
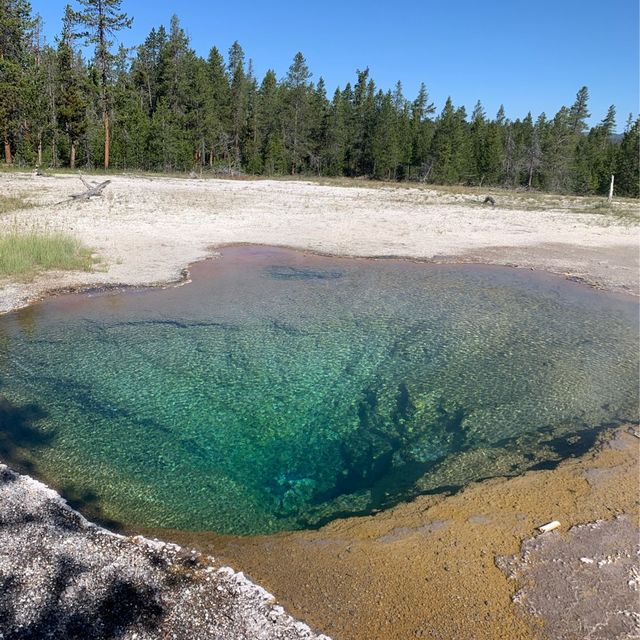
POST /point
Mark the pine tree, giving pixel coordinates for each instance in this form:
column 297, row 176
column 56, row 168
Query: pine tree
column 403, row 131
column 37, row 85
column 16, row 26
column 532, row 149
column 219, row 126
column 385, row 144
column 579, row 112
column 478, row 141
column 72, row 100
column 336, row 143
column 238, row 99
column 167, row 108
column 584, row 181
column 164, row 138
column 252, row 139
column 594, row 159
column 361, row 125
column 604, row 150
column 297, row 98
column 421, row 130
column 558, row 148
column 131, row 120
column 97, row 22
column 145, row 69
column 173, row 67
column 627, row 165
column 574, row 171
column 318, row 126
column 450, row 149
column 486, row 148
column 270, row 124
column 183, row 84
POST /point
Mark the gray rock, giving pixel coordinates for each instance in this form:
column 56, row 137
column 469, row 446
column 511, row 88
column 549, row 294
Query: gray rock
column 584, row 584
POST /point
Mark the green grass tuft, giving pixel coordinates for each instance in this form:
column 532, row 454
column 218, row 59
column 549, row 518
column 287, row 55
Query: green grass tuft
column 26, row 253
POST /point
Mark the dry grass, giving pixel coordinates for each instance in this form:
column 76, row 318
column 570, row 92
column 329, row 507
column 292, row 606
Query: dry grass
column 621, row 210
column 13, row 203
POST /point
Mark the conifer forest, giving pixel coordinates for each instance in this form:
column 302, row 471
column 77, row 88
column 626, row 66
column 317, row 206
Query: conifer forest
column 80, row 102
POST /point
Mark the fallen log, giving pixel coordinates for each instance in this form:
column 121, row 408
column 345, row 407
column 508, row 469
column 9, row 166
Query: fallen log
column 92, row 190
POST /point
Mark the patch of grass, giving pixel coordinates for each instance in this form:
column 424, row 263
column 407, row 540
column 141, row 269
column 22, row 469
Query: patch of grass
column 23, row 254
column 13, row 203
column 626, row 212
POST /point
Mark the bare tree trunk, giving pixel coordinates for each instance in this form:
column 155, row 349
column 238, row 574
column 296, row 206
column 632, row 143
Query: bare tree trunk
column 40, row 149
column 530, row 177
column 102, row 54
column 72, row 158
column 107, row 138
column 8, row 158
column 54, row 150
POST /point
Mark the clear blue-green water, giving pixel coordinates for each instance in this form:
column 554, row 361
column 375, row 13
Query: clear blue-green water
column 279, row 390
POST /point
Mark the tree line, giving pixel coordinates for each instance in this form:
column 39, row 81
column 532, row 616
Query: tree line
column 161, row 107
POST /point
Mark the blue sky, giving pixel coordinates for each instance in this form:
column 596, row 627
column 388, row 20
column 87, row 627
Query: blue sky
column 527, row 55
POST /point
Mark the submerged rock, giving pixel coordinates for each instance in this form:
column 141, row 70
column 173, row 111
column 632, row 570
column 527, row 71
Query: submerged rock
column 64, row 577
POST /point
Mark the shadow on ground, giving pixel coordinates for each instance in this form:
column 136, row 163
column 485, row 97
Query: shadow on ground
column 121, row 605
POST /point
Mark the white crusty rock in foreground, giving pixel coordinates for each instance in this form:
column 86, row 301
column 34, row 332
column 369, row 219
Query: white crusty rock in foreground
column 63, row 577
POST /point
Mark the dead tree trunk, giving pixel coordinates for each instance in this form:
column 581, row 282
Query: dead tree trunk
column 8, row 158
column 93, row 190
column 107, row 137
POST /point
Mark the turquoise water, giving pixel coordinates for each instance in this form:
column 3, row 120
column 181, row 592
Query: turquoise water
column 278, row 390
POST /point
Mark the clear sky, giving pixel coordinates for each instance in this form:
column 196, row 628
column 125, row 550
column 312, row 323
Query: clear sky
column 528, row 55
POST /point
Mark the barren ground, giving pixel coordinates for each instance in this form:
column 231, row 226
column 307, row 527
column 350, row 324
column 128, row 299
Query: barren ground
column 428, row 568
column 146, row 230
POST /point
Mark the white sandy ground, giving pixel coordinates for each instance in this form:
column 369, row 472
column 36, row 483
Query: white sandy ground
column 146, row 230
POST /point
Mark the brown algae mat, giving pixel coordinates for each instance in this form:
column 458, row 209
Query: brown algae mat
column 429, row 568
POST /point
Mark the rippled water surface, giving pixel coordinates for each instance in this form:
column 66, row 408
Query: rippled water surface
column 279, row 390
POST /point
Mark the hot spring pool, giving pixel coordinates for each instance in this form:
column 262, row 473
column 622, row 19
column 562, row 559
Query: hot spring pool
column 280, row 390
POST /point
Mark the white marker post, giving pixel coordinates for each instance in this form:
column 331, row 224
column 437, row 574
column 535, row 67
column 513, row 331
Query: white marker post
column 611, row 188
